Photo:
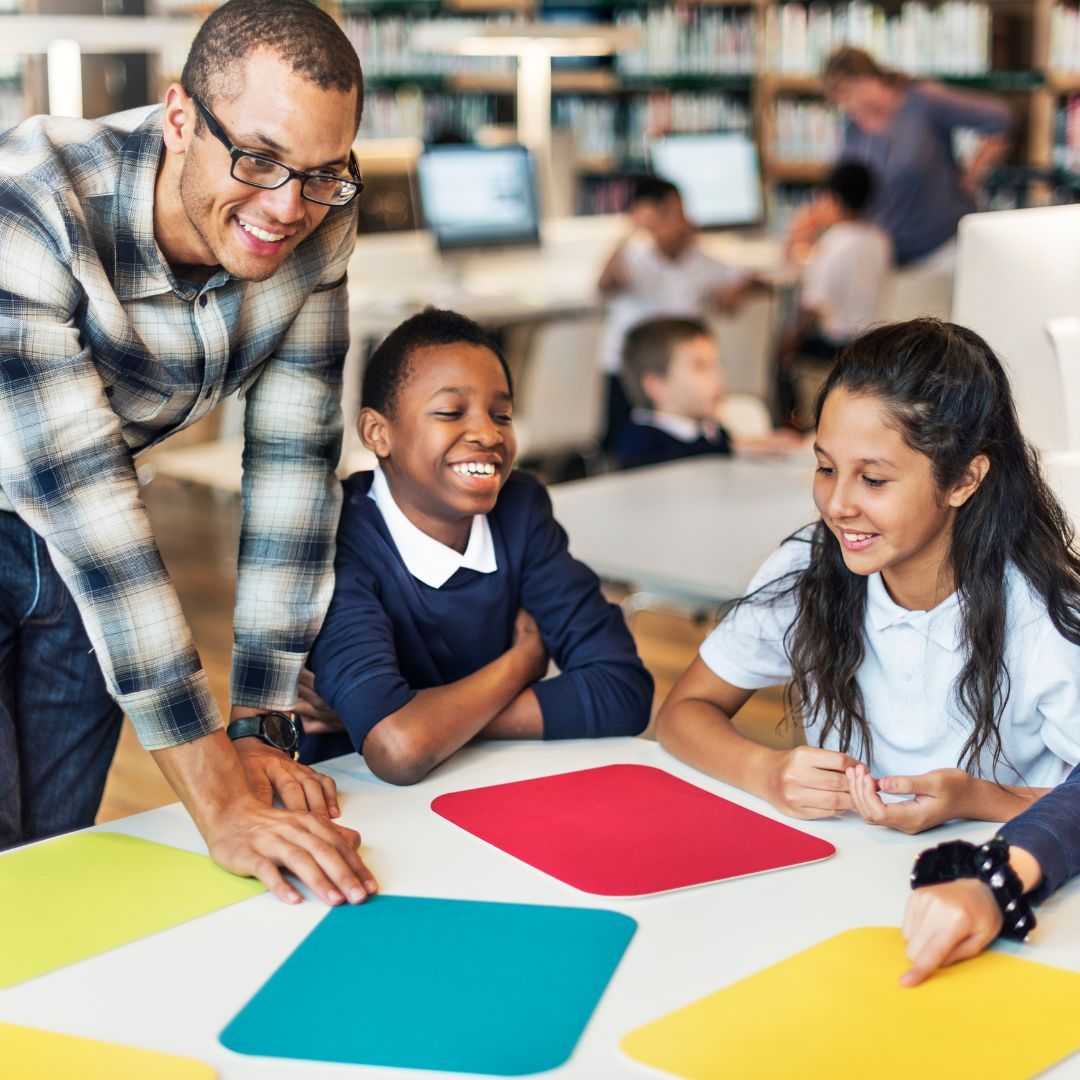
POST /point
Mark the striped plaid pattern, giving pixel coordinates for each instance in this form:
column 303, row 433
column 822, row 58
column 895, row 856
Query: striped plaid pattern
column 104, row 353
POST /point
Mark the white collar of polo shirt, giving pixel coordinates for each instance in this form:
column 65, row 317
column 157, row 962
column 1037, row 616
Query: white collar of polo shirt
column 941, row 624
column 682, row 428
column 426, row 558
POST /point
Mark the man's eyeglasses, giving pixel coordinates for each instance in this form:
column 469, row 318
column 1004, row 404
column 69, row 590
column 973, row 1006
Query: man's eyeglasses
column 264, row 172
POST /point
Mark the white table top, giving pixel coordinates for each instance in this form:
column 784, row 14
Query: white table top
column 694, row 530
column 175, row 991
column 395, row 274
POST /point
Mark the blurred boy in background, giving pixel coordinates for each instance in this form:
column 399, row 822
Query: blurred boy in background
column 659, row 269
column 672, row 376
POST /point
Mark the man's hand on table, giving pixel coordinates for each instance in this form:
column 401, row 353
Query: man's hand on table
column 247, row 835
column 257, row 840
column 272, row 772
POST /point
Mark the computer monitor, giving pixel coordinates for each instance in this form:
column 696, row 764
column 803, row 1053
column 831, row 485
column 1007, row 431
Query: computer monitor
column 717, row 175
column 1015, row 271
column 473, row 196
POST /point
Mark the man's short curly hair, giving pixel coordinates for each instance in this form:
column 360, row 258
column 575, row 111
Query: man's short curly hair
column 388, row 368
column 305, row 37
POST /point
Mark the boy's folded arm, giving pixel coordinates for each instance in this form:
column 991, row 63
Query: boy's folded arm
column 406, row 745
column 601, row 697
column 521, row 719
column 603, row 687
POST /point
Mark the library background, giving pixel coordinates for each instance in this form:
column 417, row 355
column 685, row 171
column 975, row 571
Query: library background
column 501, row 140
column 750, row 68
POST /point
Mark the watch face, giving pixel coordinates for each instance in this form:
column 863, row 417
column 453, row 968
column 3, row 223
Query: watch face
column 279, row 731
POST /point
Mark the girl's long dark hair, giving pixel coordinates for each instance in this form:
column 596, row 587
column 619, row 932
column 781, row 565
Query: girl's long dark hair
column 949, row 397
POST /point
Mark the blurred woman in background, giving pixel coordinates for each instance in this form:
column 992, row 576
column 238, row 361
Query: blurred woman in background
column 902, row 130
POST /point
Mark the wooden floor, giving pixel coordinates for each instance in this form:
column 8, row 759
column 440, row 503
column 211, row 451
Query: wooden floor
column 198, row 531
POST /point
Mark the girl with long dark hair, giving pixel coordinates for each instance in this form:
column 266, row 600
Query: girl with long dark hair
column 927, row 626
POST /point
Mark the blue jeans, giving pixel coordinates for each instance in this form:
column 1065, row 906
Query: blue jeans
column 58, row 724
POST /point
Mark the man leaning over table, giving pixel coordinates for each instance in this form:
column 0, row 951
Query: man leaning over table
column 151, row 263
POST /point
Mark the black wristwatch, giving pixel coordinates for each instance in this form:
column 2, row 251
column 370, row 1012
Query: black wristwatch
column 276, row 729
column 989, row 863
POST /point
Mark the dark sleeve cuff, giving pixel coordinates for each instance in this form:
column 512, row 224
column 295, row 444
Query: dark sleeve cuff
column 1047, row 850
column 372, row 700
column 561, row 707
column 575, row 705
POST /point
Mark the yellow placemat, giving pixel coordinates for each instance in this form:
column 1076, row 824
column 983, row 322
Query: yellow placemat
column 76, row 896
column 31, row 1054
column 837, row 1010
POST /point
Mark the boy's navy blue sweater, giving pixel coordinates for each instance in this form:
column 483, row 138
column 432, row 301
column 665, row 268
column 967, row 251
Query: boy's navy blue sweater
column 388, row 635
column 643, row 444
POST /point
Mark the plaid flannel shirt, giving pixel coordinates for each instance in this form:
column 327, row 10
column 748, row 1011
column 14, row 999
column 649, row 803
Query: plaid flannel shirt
column 104, row 353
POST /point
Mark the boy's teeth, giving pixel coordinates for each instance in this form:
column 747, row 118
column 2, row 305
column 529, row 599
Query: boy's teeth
column 260, row 234
column 474, row 468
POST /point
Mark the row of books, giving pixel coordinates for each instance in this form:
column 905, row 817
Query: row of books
column 594, row 122
column 661, row 112
column 603, row 127
column 952, row 38
column 805, row 131
column 688, row 41
column 408, row 112
column 385, row 47
column 603, row 195
column 1067, row 134
column 1065, row 38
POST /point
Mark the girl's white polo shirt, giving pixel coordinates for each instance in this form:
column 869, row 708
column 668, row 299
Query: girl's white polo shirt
column 911, row 663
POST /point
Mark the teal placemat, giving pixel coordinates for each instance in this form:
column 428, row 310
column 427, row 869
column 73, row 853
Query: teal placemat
column 453, row 985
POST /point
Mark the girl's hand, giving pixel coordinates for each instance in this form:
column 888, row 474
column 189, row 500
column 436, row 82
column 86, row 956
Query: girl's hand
column 809, row 782
column 938, row 797
column 946, row 923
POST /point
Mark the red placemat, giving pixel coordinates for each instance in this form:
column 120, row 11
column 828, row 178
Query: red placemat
column 627, row 830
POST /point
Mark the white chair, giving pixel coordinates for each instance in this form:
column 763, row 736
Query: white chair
column 924, row 289
column 1064, row 335
column 1063, row 467
column 1017, row 270
column 560, row 396
column 917, row 293
column 745, row 416
column 747, row 344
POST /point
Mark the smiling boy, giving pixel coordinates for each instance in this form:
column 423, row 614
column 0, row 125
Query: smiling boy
column 454, row 585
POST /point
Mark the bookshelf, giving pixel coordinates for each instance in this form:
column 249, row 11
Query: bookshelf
column 754, row 65
column 699, row 65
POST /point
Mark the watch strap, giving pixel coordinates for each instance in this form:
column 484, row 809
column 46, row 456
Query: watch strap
column 249, row 726
column 245, row 727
